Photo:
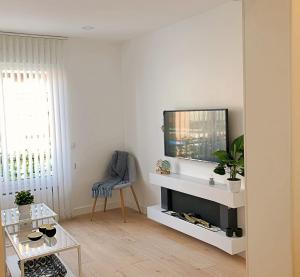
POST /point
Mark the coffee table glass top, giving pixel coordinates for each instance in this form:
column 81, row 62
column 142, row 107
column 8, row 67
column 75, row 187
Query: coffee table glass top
column 27, row 249
column 39, row 211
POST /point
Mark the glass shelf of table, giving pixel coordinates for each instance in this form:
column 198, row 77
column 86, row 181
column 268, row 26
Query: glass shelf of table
column 39, row 211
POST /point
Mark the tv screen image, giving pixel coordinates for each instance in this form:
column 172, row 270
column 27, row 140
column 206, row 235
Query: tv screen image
column 195, row 134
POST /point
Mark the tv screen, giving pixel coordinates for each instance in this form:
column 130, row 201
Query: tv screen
column 195, row 134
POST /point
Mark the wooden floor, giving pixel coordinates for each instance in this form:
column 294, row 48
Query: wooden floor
column 142, row 247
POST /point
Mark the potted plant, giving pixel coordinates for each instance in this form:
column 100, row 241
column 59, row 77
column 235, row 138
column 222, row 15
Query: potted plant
column 24, row 199
column 233, row 161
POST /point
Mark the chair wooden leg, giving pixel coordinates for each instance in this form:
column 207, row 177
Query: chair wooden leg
column 123, row 205
column 105, row 202
column 135, row 198
column 94, row 207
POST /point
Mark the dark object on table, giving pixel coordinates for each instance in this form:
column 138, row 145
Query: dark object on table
column 229, row 232
column 239, row 232
column 43, row 227
column 49, row 266
column 34, row 236
column 50, row 231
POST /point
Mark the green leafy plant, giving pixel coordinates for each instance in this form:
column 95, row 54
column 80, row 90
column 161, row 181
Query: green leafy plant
column 24, row 198
column 232, row 160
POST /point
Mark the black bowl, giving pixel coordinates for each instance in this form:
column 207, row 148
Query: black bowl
column 34, row 236
column 43, row 227
column 50, row 231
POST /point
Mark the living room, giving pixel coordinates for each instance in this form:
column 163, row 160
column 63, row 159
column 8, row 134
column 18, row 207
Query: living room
column 156, row 82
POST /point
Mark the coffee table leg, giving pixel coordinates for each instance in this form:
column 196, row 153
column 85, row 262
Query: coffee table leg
column 22, row 269
column 79, row 261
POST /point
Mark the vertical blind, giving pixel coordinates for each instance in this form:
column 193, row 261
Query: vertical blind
column 34, row 137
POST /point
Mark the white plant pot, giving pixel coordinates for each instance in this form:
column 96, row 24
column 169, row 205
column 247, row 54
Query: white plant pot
column 24, row 212
column 234, row 185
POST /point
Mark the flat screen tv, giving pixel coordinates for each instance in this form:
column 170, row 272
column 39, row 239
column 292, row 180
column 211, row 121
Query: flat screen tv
column 195, row 134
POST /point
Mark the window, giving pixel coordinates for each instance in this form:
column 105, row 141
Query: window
column 34, row 137
column 28, row 129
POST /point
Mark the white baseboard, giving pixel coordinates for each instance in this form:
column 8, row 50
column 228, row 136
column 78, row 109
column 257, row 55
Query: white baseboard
column 88, row 208
column 110, row 205
column 132, row 205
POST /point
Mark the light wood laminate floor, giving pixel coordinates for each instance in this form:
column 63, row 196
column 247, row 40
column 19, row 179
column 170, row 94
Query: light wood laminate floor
column 142, row 247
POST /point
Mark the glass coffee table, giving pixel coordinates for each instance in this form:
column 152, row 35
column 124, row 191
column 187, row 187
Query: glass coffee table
column 25, row 250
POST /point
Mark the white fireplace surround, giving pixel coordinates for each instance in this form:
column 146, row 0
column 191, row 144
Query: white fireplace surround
column 200, row 188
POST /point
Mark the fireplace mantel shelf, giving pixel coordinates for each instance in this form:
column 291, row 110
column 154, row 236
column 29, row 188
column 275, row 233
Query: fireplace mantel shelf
column 200, row 188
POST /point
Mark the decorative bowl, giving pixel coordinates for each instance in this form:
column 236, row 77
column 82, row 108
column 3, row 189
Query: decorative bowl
column 34, row 236
column 163, row 167
column 50, row 231
column 43, row 228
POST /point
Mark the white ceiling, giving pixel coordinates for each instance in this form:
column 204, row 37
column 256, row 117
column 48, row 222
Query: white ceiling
column 112, row 19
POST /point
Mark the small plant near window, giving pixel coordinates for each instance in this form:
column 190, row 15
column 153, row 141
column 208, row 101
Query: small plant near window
column 24, row 198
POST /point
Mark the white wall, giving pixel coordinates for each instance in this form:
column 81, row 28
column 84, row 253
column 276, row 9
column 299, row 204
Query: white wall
column 196, row 63
column 93, row 70
column 268, row 137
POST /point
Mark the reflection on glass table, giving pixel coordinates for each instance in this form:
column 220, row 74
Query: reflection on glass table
column 26, row 248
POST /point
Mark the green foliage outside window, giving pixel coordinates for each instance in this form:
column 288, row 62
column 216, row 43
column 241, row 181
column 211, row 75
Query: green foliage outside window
column 30, row 166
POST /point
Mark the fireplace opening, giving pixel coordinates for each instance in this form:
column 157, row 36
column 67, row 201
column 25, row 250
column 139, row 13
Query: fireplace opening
column 198, row 211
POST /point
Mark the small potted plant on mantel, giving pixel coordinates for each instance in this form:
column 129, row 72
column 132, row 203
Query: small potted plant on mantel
column 233, row 160
column 24, row 199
